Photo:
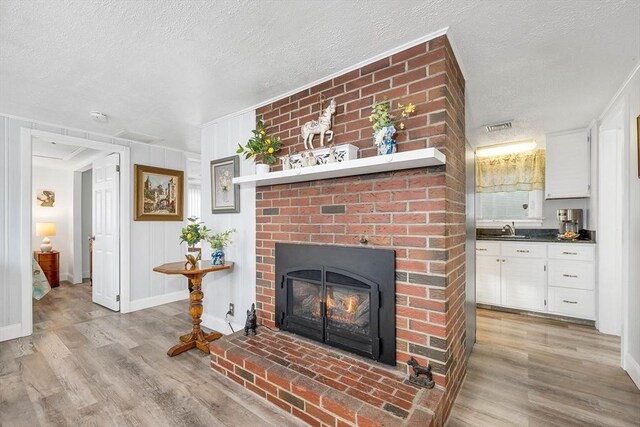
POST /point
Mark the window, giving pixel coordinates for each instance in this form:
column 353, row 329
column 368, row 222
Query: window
column 193, row 201
column 509, row 186
column 509, row 206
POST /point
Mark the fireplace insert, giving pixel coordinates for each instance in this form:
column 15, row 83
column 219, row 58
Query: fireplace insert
column 341, row 296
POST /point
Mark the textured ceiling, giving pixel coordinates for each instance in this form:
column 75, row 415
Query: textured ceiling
column 164, row 67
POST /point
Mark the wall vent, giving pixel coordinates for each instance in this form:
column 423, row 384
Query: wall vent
column 498, row 126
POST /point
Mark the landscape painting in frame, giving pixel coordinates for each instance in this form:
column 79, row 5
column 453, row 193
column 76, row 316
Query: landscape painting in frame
column 225, row 196
column 159, row 194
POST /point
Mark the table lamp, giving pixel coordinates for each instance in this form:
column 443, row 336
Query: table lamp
column 45, row 229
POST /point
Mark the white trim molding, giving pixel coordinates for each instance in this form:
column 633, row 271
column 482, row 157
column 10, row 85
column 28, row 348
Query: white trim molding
column 633, row 369
column 141, row 304
column 385, row 54
column 11, row 331
column 27, row 136
column 220, row 325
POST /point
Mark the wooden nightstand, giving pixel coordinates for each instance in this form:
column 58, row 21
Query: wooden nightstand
column 50, row 264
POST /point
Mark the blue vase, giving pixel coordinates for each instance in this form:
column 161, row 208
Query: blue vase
column 383, row 139
column 217, row 257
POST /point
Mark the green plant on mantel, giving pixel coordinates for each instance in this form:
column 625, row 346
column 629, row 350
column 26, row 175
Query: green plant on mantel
column 261, row 147
column 381, row 114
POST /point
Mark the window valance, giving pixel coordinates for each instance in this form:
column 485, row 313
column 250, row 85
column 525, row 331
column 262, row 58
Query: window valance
column 511, row 172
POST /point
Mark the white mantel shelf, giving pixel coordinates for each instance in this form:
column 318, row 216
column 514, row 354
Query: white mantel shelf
column 390, row 162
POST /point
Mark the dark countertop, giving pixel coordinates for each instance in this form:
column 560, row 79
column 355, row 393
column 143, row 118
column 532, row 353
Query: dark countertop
column 543, row 235
column 543, row 239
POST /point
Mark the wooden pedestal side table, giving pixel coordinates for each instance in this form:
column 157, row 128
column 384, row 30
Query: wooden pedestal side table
column 195, row 338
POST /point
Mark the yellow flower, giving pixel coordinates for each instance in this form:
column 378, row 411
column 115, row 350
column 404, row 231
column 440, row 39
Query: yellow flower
column 263, row 132
column 410, row 108
column 270, row 150
column 268, row 141
column 401, row 125
column 189, row 236
column 400, row 105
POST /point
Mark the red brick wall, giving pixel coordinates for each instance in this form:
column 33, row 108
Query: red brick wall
column 419, row 213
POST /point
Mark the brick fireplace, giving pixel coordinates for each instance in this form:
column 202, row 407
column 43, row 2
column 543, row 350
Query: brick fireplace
column 417, row 213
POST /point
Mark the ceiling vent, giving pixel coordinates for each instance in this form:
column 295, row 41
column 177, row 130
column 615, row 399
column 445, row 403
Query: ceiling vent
column 136, row 136
column 499, row 126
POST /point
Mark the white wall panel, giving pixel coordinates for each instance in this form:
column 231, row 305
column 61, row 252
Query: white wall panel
column 220, row 139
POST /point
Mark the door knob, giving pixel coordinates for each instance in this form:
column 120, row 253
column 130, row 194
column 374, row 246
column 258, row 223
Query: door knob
column 91, row 237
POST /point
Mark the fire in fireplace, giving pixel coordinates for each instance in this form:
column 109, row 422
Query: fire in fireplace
column 341, row 296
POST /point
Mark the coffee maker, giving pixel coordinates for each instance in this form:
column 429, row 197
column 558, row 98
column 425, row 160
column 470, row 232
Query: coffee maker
column 570, row 220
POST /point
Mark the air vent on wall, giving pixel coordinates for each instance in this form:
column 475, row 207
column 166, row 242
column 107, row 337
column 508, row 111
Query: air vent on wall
column 498, row 126
column 136, row 136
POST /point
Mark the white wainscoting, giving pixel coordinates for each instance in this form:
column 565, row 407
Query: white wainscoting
column 220, row 139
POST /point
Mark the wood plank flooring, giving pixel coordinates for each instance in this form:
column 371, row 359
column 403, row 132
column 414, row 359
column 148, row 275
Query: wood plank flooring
column 526, row 371
column 88, row 366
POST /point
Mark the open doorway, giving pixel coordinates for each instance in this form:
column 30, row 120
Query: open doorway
column 77, row 198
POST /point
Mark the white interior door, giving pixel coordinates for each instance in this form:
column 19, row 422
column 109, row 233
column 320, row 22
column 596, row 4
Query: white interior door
column 106, row 231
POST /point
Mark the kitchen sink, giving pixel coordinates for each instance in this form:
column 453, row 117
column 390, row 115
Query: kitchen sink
column 514, row 237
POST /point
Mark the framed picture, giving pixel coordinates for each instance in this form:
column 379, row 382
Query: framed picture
column 158, row 193
column 46, row 198
column 225, row 196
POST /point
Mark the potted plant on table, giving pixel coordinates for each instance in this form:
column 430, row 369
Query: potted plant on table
column 218, row 242
column 262, row 148
column 384, row 124
column 193, row 234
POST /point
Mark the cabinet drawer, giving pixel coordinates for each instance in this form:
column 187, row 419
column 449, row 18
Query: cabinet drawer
column 572, row 302
column 487, row 248
column 572, row 274
column 526, row 250
column 48, row 264
column 576, row 251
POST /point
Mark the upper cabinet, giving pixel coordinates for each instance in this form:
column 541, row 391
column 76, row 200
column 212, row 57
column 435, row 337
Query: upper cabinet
column 568, row 165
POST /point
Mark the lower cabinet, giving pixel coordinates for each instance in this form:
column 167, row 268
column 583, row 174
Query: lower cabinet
column 523, row 283
column 488, row 281
column 554, row 278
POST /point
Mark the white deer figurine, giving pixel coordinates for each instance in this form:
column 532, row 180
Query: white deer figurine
column 320, row 126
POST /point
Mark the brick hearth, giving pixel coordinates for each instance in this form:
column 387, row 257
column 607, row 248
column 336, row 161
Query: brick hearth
column 323, row 386
column 419, row 213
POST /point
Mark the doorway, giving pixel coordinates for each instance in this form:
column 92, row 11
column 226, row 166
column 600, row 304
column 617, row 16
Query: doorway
column 112, row 186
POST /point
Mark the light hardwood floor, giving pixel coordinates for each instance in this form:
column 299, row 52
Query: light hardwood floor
column 86, row 365
column 527, row 371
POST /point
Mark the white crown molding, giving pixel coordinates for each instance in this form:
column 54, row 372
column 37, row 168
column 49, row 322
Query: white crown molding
column 405, row 46
column 611, row 103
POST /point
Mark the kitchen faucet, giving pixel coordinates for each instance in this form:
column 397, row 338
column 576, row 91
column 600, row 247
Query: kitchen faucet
column 510, row 229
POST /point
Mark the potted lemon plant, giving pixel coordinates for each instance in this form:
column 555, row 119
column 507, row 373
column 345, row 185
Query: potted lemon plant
column 262, row 148
column 192, row 235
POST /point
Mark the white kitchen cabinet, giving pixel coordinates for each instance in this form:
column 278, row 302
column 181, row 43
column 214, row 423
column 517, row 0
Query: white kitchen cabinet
column 523, row 283
column 551, row 278
column 488, row 272
column 568, row 165
column 488, row 280
column 571, row 283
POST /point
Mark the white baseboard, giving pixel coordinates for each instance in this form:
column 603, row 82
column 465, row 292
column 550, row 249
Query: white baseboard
column 633, row 368
column 143, row 303
column 220, row 325
column 10, row 332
